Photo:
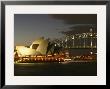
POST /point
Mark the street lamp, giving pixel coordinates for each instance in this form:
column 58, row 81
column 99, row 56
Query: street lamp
column 84, row 37
column 66, row 41
column 79, row 40
column 73, row 40
column 91, row 41
column 91, row 36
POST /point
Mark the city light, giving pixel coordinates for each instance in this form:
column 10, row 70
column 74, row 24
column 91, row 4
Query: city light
column 39, row 54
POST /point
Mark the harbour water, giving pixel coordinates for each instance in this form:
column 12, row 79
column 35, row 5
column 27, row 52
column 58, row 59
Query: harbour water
column 56, row 69
column 82, row 68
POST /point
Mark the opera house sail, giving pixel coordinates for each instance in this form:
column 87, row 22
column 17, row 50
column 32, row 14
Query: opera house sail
column 38, row 47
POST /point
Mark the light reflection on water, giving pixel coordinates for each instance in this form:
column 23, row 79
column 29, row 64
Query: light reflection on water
column 36, row 63
column 55, row 69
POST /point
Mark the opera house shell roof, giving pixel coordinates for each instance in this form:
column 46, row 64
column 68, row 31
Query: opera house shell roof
column 38, row 47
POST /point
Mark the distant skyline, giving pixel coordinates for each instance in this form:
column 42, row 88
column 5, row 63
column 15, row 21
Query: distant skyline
column 29, row 27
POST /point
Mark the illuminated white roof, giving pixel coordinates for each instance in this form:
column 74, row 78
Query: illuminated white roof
column 41, row 49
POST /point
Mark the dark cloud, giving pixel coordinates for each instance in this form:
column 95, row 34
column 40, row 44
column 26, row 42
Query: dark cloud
column 76, row 18
column 79, row 23
column 80, row 29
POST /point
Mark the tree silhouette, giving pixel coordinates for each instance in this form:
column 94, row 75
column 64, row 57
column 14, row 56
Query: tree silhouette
column 49, row 47
column 53, row 48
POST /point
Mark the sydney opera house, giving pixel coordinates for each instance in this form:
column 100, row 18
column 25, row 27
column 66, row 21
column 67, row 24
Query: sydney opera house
column 41, row 50
column 38, row 47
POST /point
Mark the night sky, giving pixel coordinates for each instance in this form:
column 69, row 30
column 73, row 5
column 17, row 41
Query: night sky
column 29, row 27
